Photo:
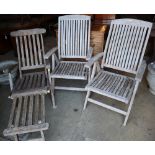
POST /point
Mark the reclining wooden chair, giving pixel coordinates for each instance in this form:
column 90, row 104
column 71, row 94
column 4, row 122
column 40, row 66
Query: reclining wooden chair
column 73, row 43
column 124, row 51
column 28, row 93
column 30, row 50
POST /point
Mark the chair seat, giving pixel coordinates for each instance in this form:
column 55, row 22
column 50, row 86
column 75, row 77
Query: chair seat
column 27, row 115
column 112, row 85
column 70, row 70
column 30, row 83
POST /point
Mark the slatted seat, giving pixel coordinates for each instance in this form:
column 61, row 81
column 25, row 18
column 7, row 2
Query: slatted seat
column 118, row 87
column 30, row 83
column 70, row 70
column 27, row 115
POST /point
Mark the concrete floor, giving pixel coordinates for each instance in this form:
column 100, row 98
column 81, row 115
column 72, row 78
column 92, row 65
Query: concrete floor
column 69, row 122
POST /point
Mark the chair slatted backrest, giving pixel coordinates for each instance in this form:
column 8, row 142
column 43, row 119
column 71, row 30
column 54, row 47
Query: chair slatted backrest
column 126, row 44
column 30, row 48
column 73, row 36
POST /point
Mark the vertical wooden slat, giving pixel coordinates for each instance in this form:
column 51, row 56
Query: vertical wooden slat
column 30, row 110
column 19, row 56
column 34, row 48
column 73, row 38
column 78, row 37
column 42, row 108
column 39, row 49
column 36, row 110
column 18, row 111
column 43, row 81
column 24, row 113
column 26, row 81
column 42, row 48
column 34, row 81
column 30, row 81
column 22, row 51
column 59, row 38
column 30, row 49
column 88, row 38
column 85, row 38
column 80, row 51
column 12, row 113
column 26, row 51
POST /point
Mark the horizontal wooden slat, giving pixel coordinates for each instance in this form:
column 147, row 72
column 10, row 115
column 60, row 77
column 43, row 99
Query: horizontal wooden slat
column 25, row 129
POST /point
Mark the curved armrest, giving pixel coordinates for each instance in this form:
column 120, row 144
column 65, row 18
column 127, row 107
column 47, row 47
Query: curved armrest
column 141, row 71
column 50, row 52
column 90, row 52
column 93, row 59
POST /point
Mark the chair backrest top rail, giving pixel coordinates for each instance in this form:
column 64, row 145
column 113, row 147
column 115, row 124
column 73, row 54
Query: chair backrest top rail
column 28, row 32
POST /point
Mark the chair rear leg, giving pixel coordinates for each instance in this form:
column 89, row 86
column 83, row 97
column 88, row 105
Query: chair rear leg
column 42, row 135
column 53, row 99
column 16, row 137
column 130, row 104
column 86, row 100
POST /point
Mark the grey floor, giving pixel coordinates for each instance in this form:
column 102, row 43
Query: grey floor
column 69, row 122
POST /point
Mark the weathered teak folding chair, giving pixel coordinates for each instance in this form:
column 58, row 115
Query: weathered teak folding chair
column 73, row 43
column 28, row 94
column 30, row 50
column 124, row 51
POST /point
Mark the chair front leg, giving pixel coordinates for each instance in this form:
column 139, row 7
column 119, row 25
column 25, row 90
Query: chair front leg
column 86, row 100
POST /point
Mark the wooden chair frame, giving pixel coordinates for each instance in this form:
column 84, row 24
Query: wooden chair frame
column 30, row 50
column 73, row 43
column 135, row 34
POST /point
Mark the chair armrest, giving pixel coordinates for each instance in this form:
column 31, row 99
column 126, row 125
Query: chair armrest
column 10, row 77
column 50, row 52
column 141, row 71
column 90, row 52
column 93, row 59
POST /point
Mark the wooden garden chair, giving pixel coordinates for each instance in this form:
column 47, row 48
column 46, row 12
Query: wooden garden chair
column 73, row 44
column 124, row 52
column 32, row 65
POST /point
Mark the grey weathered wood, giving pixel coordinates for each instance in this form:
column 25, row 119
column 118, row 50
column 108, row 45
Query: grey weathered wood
column 73, row 42
column 31, row 55
column 124, row 51
column 27, row 115
column 29, row 84
column 28, row 32
column 71, row 28
column 24, row 110
column 70, row 70
column 26, row 129
column 30, row 48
